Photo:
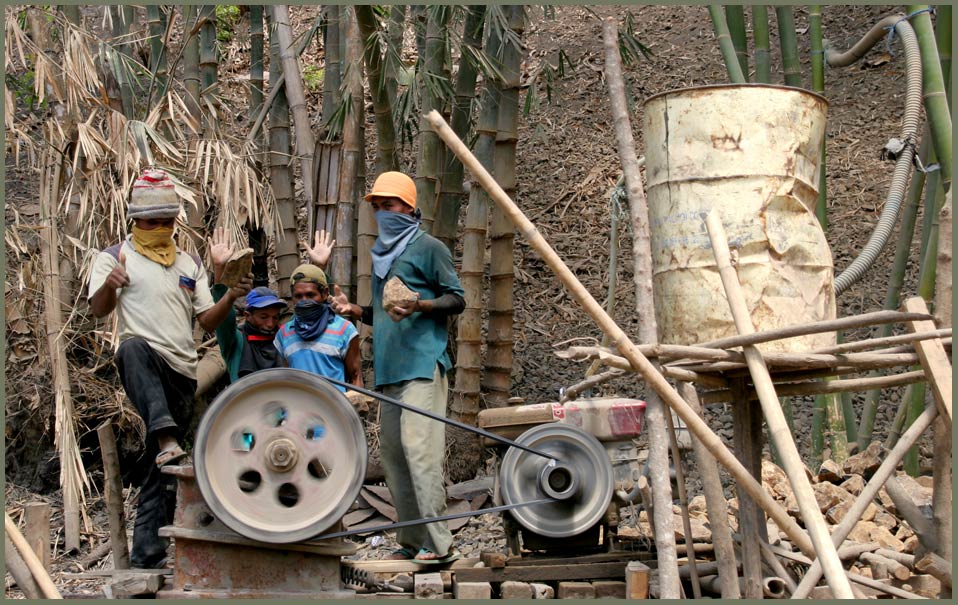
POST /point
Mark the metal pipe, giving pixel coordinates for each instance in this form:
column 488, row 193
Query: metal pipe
column 427, row 414
column 909, row 135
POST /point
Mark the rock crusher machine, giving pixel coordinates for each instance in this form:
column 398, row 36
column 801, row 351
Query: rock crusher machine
column 280, row 456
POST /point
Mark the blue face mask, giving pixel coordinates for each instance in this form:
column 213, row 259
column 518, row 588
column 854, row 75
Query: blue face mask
column 396, row 230
column 310, row 318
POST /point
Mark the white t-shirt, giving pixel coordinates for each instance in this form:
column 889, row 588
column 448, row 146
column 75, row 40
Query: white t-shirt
column 160, row 302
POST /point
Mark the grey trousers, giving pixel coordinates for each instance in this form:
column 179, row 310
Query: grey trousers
column 412, row 448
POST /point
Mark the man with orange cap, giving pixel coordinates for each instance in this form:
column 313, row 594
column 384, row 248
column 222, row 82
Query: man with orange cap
column 411, row 362
column 156, row 290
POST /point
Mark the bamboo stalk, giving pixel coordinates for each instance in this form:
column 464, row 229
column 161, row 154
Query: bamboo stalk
column 296, row 97
column 683, row 505
column 735, row 18
column 860, row 345
column 450, row 190
column 829, row 387
column 619, row 338
column 787, row 38
column 386, row 156
column 156, row 18
column 17, row 568
column 655, row 415
column 208, row 61
column 113, row 491
column 763, row 61
column 735, row 74
column 395, row 31
column 191, row 63
column 497, row 370
column 428, row 160
column 776, row 566
column 777, row 427
column 255, row 60
column 332, row 76
column 571, row 393
column 881, row 476
column 47, row 588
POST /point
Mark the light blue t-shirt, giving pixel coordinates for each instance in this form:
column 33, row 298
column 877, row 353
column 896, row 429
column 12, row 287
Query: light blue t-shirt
column 325, row 355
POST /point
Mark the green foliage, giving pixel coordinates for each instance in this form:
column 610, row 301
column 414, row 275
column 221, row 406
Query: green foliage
column 313, row 77
column 629, row 45
column 226, row 19
column 22, row 87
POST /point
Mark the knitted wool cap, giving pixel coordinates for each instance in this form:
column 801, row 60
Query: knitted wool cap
column 394, row 184
column 153, row 196
column 308, row 273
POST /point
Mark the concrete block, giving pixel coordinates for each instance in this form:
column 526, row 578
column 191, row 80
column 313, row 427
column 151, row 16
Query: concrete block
column 576, row 590
column 515, row 590
column 542, row 591
column 472, row 590
column 428, row 586
column 609, row 589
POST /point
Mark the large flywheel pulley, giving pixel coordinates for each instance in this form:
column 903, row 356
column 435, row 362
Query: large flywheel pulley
column 280, row 455
column 579, row 478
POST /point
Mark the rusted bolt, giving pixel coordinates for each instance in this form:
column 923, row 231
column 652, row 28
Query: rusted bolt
column 281, row 455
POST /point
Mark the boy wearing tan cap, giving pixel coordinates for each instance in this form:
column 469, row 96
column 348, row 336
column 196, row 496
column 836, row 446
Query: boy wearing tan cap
column 410, row 362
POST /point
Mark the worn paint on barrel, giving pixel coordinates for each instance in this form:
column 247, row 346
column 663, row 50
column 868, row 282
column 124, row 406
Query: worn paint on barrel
column 752, row 152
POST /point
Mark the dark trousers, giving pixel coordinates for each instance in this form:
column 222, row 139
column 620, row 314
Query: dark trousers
column 164, row 400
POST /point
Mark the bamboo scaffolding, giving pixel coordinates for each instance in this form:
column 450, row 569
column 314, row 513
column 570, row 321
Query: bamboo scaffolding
column 618, row 337
column 777, row 426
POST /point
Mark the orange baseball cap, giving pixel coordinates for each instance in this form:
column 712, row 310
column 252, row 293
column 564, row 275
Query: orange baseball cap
column 394, row 184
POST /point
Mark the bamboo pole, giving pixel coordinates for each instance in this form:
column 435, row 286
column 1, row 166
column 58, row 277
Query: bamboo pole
column 735, row 18
column 620, row 340
column 395, row 31
column 255, row 61
column 433, row 71
column 934, row 360
column 41, row 576
column 683, row 504
column 777, row 427
column 386, row 156
column 720, row 25
column 332, row 77
column 295, row 95
column 879, row 479
column 17, row 568
column 791, row 68
column 776, row 566
column 113, row 491
column 829, row 387
column 655, row 414
column 874, row 343
column 763, row 62
column 716, row 505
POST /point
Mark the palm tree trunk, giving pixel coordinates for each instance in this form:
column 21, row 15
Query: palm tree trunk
column 763, row 61
column 331, row 78
column 428, row 162
column 789, row 43
column 386, row 156
column 450, row 191
column 497, row 378
column 340, row 264
column 464, row 406
column 305, row 141
column 735, row 17
column 280, row 174
column 735, row 74
column 394, row 38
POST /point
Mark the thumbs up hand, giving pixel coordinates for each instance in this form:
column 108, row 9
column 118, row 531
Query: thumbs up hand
column 118, row 277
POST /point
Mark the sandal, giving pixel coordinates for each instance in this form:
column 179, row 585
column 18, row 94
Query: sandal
column 170, row 456
column 428, row 557
column 400, row 554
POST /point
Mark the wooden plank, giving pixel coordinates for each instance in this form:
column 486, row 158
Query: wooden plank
column 748, row 439
column 113, row 491
column 933, row 358
column 36, row 530
column 535, row 573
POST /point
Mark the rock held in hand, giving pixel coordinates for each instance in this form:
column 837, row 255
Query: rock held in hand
column 237, row 267
column 397, row 294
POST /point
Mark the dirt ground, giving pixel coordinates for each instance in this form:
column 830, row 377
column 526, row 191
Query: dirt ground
column 567, row 166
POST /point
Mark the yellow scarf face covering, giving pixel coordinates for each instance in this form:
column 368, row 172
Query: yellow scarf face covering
column 155, row 244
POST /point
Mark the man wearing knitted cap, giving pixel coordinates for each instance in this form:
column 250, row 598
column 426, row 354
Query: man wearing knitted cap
column 156, row 290
column 411, row 363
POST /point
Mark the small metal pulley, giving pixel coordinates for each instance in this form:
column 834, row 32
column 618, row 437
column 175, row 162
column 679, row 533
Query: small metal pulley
column 280, row 455
column 579, row 477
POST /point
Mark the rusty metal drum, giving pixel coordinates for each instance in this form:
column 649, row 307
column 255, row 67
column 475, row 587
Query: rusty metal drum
column 753, row 153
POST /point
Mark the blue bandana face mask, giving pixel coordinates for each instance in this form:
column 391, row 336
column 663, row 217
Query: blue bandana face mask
column 310, row 318
column 396, row 230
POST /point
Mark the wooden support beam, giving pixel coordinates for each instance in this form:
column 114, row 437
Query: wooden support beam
column 113, row 490
column 20, row 572
column 934, row 360
column 36, row 520
column 748, row 439
column 777, row 426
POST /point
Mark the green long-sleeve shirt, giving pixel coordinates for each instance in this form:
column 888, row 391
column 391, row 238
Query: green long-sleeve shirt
column 228, row 336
